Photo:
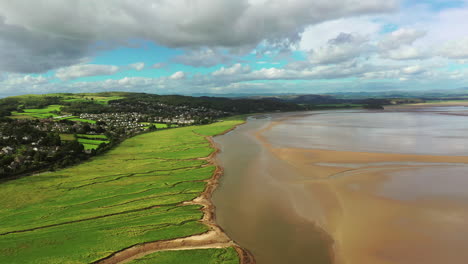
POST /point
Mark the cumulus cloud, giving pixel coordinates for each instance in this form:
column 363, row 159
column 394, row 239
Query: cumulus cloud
column 43, row 41
column 235, row 69
column 316, row 36
column 400, row 37
column 457, row 49
column 406, row 53
column 413, row 69
column 26, row 80
column 177, row 75
column 137, row 66
column 159, row 65
column 339, row 49
column 316, row 40
column 85, row 70
column 205, row 57
column 23, row 50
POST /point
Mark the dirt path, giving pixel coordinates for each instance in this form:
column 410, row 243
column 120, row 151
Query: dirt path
column 214, row 238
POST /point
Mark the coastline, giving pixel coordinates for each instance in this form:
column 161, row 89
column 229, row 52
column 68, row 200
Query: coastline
column 214, row 238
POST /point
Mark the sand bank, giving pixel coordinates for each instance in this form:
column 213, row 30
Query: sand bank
column 371, row 222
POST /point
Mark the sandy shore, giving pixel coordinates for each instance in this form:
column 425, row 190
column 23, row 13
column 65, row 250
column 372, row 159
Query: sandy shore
column 369, row 226
column 425, row 105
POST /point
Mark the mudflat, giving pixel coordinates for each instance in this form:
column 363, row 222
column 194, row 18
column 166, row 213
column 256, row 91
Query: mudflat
column 397, row 197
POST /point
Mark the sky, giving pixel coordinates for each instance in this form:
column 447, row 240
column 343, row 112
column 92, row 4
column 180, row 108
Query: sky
column 232, row 47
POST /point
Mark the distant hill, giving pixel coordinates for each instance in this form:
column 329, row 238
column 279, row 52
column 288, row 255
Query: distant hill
column 124, row 101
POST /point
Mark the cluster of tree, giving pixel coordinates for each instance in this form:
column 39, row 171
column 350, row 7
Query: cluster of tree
column 227, row 105
column 7, row 105
column 316, row 102
column 81, row 107
column 24, row 148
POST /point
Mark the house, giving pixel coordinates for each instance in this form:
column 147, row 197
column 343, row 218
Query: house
column 7, row 150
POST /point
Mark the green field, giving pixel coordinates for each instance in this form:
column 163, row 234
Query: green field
column 158, row 125
column 38, row 113
column 88, row 98
column 77, row 119
column 103, row 137
column 130, row 195
column 82, row 120
column 88, row 141
column 197, row 256
column 91, row 143
column 25, row 100
column 67, row 137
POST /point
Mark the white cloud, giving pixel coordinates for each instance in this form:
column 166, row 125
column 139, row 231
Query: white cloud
column 177, row 76
column 339, row 49
column 158, row 65
column 406, row 53
column 205, row 57
column 25, row 80
column 85, row 70
column 318, row 35
column 138, row 66
column 235, row 69
column 414, row 69
column 457, row 49
column 400, row 37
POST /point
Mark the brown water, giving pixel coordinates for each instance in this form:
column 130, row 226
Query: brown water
column 352, row 187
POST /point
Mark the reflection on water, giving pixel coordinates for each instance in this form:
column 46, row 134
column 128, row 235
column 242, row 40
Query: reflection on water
column 423, row 132
column 436, row 182
column 356, row 182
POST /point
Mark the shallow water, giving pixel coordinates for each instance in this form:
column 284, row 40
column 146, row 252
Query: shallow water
column 416, row 132
column 325, row 181
column 253, row 207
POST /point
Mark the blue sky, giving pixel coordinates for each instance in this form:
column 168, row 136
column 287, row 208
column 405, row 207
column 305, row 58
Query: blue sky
column 226, row 47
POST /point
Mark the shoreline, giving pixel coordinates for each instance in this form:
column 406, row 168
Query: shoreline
column 213, row 238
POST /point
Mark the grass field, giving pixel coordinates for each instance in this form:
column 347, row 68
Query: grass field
column 158, row 125
column 38, row 113
column 130, row 195
column 82, row 120
column 67, row 137
column 88, row 98
column 102, row 137
column 445, row 102
column 91, row 143
column 197, row 256
column 101, row 98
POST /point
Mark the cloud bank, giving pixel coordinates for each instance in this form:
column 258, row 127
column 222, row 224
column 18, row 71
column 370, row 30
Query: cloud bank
column 40, row 35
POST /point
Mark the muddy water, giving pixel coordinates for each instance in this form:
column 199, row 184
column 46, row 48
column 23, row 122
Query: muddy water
column 348, row 187
column 253, row 202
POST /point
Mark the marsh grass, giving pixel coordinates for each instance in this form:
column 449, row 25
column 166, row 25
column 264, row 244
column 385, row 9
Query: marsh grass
column 130, row 195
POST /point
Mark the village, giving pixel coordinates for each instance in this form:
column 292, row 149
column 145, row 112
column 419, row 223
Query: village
column 34, row 144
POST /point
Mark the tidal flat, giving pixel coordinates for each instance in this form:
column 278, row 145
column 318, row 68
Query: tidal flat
column 348, row 186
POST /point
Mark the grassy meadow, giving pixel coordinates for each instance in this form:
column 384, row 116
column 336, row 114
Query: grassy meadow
column 130, row 195
column 38, row 113
column 196, row 256
column 51, row 110
column 92, row 141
